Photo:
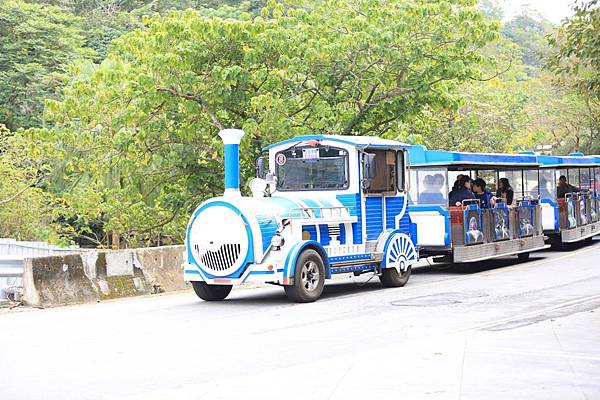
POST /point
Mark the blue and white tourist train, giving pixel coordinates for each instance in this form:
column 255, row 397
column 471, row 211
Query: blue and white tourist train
column 325, row 205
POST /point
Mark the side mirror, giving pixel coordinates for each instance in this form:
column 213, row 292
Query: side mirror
column 260, row 167
column 369, row 166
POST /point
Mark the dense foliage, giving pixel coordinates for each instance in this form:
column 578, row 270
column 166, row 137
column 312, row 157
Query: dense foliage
column 113, row 106
column 577, row 63
column 37, row 44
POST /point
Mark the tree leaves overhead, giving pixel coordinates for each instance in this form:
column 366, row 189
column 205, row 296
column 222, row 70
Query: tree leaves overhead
column 576, row 61
column 131, row 94
column 578, row 47
column 37, row 44
column 141, row 126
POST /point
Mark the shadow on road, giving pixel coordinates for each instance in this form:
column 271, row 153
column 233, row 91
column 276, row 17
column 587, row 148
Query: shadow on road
column 276, row 296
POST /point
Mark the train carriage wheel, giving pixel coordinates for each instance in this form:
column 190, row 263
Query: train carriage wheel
column 211, row 292
column 399, row 253
column 309, row 278
column 390, row 277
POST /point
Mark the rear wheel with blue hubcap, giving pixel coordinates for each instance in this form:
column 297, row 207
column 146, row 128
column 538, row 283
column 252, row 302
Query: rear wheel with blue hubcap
column 390, row 277
column 399, row 253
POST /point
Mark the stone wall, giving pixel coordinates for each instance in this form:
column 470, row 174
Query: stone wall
column 96, row 275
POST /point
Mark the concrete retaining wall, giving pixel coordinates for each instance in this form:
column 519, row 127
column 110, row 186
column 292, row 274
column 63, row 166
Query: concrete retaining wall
column 96, row 275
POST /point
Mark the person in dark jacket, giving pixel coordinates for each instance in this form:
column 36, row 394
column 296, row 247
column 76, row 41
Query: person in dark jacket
column 505, row 191
column 486, row 198
column 564, row 187
column 460, row 191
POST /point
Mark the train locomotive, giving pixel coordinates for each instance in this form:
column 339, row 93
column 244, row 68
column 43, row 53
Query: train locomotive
column 335, row 205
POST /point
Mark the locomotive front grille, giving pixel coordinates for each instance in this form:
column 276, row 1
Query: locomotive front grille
column 222, row 259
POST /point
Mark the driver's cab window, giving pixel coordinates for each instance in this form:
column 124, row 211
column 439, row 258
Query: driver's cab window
column 312, row 168
column 386, row 178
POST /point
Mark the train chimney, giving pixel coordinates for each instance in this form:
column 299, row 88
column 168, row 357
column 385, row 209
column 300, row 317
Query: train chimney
column 231, row 139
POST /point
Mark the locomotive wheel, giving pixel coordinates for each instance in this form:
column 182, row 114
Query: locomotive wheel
column 211, row 292
column 309, row 278
column 390, row 277
column 523, row 256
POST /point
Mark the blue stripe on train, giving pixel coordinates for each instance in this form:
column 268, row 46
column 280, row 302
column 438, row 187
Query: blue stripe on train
column 268, row 226
column 353, row 201
column 312, row 230
column 393, row 207
column 374, row 217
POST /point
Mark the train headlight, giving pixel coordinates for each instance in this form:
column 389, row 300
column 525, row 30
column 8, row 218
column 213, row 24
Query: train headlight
column 277, row 240
column 258, row 187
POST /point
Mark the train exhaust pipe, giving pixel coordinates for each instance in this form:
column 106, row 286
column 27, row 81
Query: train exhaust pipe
column 231, row 141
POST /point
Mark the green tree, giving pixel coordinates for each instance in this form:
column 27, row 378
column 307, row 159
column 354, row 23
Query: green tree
column 576, row 61
column 530, row 34
column 25, row 211
column 577, row 45
column 106, row 20
column 491, row 8
column 491, row 115
column 140, row 129
column 37, row 43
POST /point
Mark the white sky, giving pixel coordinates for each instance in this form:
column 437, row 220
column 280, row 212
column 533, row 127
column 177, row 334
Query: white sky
column 553, row 10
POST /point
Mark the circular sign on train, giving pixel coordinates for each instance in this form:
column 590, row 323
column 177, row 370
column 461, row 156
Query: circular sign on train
column 280, row 159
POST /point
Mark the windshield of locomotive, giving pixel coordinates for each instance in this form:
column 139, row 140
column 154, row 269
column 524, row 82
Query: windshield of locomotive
column 312, row 168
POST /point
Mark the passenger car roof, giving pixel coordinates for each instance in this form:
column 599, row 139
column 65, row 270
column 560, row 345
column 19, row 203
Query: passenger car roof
column 566, row 161
column 421, row 156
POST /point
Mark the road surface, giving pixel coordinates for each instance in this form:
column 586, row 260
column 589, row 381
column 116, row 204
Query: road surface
column 508, row 330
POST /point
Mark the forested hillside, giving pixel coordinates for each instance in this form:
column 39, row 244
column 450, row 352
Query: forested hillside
column 109, row 109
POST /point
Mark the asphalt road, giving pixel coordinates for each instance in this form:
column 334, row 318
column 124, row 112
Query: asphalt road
column 507, row 330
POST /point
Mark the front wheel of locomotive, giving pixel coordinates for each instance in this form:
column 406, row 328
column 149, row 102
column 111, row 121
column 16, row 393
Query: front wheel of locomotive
column 211, row 292
column 309, row 278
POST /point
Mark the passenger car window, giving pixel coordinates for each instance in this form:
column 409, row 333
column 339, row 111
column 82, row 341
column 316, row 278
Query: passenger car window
column 429, row 186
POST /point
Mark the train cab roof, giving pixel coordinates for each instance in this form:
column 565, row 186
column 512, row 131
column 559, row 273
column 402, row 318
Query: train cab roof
column 422, row 157
column 570, row 161
column 362, row 142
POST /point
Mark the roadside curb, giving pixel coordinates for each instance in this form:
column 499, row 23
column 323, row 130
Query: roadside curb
column 95, row 275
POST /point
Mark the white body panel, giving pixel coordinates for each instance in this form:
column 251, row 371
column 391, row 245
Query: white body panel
column 547, row 217
column 431, row 229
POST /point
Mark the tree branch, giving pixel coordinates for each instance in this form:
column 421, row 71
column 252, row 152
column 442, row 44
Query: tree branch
column 190, row 96
column 16, row 195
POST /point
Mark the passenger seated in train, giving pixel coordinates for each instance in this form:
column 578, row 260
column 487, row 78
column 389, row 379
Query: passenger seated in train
column 564, row 187
column 542, row 189
column 485, row 197
column 432, row 193
column 505, row 191
column 460, row 191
